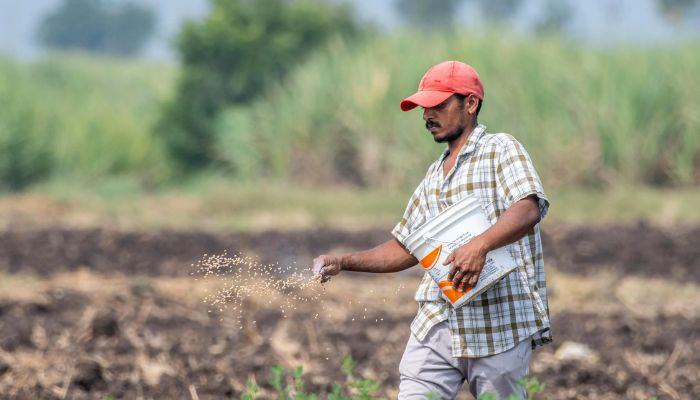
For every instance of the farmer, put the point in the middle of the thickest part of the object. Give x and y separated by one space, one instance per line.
488 341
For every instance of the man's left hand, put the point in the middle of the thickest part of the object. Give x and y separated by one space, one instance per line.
467 263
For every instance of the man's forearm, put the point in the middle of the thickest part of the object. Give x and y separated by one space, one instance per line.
390 256
513 224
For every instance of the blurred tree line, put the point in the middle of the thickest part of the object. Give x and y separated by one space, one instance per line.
676 9
554 15
442 14
98 26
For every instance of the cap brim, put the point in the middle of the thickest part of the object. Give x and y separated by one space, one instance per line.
425 98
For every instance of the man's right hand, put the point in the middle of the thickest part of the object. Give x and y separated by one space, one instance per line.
326 266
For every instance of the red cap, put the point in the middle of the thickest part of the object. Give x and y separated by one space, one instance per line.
442 81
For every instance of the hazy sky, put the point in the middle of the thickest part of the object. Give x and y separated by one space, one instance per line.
596 21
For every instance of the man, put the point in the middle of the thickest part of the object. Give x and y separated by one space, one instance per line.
488 341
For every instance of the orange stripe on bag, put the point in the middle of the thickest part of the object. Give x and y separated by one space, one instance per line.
450 292
430 260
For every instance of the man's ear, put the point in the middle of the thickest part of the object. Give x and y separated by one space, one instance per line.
471 105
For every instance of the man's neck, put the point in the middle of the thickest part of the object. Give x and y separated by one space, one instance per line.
456 145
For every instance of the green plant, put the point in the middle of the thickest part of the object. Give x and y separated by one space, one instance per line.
231 57
364 387
360 389
432 396
299 394
293 390
276 381
347 366
252 391
532 387
336 393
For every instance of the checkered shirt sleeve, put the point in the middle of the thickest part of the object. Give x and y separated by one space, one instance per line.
517 177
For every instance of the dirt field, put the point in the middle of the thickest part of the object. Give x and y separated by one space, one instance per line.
96 314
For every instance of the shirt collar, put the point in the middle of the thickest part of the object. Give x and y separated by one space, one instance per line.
470 146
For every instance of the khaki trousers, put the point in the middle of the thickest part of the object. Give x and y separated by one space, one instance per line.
428 369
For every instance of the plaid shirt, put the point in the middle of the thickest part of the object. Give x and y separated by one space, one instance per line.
497 170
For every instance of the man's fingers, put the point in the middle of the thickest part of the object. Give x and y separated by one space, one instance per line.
463 286
316 268
474 279
457 278
319 263
469 280
321 268
324 267
449 259
453 271
325 277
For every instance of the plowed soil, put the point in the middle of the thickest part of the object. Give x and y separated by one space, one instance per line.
86 314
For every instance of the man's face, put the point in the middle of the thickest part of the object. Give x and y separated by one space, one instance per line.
446 121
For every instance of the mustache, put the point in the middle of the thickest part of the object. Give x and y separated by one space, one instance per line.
430 124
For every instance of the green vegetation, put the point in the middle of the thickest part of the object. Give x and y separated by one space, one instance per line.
358 389
532 387
613 133
589 117
231 57
75 117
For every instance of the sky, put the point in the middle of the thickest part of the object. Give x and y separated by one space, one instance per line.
600 22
